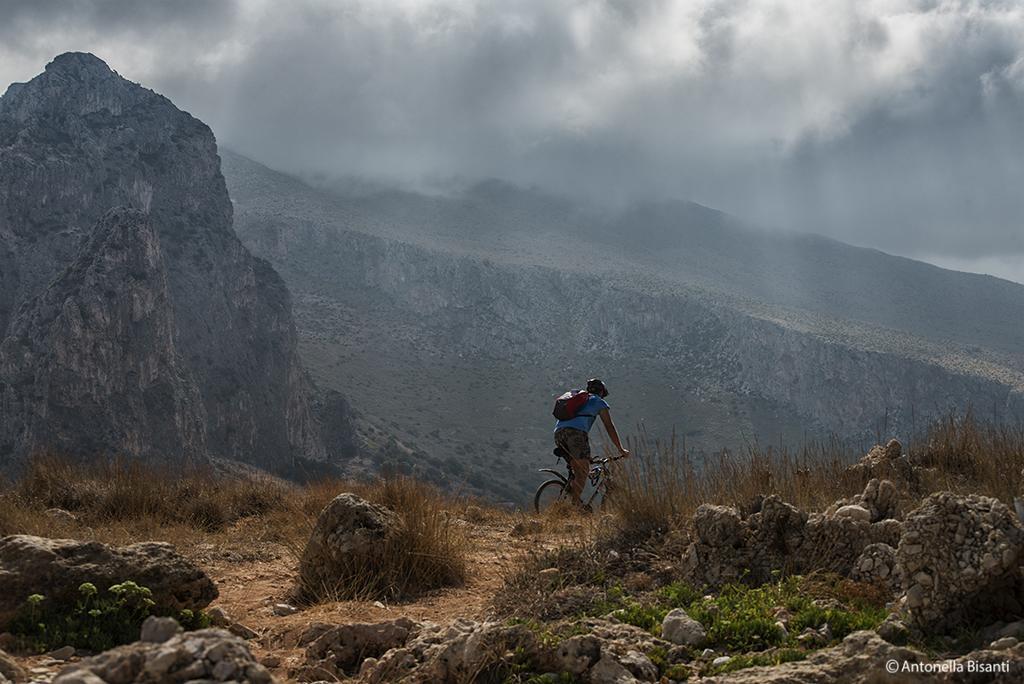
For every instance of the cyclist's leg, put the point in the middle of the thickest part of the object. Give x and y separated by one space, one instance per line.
577 444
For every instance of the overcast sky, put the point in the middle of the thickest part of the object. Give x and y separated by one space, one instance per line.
896 124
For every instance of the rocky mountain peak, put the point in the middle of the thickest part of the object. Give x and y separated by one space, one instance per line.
74 83
83 66
211 369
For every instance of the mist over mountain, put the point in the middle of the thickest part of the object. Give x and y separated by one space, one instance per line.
477 307
133 323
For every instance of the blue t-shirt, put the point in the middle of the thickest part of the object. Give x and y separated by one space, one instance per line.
584 420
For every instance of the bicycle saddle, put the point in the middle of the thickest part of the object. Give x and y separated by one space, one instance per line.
559 452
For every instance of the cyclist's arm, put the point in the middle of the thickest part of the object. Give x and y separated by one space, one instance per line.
609 427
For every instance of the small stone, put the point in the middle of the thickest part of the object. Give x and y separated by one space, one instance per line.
915 596
10 669
218 617
78 677
607 670
284 609
639 665
912 549
62 653
159 664
923 578
1003 644
549 572
681 629
367 665
781 627
217 652
241 631
61 515
379 604
720 660
854 513
223 670
707 653
159 629
272 660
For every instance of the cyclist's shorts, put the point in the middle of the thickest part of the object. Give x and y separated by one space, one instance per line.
575 442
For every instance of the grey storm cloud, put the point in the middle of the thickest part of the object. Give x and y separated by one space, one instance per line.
888 123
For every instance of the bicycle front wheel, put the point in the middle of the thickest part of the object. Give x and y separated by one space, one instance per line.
548 494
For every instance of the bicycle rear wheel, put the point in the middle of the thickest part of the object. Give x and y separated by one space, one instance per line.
548 494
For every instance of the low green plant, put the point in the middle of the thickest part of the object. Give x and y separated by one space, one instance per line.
94 621
745 660
743 618
551 678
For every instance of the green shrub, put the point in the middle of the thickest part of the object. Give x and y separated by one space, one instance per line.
94 621
776 657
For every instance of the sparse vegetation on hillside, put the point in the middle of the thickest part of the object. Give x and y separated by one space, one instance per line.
663 484
122 502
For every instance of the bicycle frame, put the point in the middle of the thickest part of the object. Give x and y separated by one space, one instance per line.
598 477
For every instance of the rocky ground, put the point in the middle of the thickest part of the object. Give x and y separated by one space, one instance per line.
876 587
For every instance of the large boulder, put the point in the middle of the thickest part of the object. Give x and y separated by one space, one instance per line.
350 535
959 562
56 567
204 655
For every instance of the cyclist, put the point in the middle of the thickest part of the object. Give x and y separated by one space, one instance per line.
573 438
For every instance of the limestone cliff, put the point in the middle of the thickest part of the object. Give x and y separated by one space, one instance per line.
152 331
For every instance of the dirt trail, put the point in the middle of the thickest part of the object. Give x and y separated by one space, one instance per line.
250 588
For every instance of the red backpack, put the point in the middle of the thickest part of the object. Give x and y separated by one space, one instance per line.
569 404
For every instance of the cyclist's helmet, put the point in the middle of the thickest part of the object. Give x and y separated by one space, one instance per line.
595 386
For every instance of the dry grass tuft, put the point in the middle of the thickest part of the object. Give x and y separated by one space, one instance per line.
427 551
966 455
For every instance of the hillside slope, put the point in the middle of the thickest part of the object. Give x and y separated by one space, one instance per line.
475 308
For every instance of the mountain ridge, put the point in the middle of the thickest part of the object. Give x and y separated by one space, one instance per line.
398 297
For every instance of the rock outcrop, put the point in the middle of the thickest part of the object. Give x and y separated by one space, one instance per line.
211 655
727 547
467 650
350 534
888 462
335 651
863 657
959 562
56 567
149 332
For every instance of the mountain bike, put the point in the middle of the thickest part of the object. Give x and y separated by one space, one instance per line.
552 492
